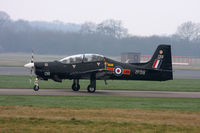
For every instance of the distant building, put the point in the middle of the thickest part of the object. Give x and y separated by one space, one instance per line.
130 57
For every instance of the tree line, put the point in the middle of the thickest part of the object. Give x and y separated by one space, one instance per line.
108 37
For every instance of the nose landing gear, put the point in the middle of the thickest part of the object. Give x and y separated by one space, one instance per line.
36 85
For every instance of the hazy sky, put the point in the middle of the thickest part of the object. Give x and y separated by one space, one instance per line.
141 17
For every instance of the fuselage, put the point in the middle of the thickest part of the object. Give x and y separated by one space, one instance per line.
104 69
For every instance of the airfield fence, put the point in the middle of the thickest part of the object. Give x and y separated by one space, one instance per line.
177 60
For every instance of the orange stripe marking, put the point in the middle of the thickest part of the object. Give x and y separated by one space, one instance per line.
126 71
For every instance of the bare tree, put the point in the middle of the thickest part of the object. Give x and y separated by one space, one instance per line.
4 17
112 28
88 28
189 31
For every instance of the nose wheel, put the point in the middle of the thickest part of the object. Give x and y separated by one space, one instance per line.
75 85
36 85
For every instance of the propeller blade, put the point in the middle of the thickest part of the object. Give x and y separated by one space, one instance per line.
30 81
32 61
32 57
31 67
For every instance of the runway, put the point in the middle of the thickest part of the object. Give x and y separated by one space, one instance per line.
127 93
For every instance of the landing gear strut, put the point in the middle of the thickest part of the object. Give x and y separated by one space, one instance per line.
36 85
92 87
75 85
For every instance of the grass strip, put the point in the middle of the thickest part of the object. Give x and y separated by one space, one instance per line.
9 81
114 120
188 104
77 126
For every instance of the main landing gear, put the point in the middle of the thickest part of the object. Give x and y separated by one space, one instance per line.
75 85
36 85
91 87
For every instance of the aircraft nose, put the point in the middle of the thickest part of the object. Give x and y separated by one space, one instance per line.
29 65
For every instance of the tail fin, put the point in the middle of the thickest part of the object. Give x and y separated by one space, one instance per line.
161 59
160 65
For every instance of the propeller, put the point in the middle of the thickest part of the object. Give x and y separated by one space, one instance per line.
30 66
32 61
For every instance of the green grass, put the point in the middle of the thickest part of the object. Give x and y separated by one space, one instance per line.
189 104
172 85
33 125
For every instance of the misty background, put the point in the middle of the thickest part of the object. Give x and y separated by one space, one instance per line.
108 37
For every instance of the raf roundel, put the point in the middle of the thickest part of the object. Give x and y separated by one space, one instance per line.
118 71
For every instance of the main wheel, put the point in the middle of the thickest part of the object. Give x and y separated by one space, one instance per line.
91 89
36 88
75 87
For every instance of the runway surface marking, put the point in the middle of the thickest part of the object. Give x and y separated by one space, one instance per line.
128 93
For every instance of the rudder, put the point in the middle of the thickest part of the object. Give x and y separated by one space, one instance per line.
162 58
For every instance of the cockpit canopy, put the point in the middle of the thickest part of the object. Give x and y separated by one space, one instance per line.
82 58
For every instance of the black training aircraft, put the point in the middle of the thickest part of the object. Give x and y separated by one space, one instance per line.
97 67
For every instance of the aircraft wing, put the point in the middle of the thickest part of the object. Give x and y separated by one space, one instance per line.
91 71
